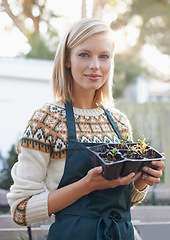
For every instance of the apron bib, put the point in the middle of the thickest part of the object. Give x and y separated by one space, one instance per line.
100 215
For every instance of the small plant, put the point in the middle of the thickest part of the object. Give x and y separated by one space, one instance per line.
132 148
141 146
132 154
124 141
113 155
112 152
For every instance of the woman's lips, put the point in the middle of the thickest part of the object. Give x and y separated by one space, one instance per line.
93 77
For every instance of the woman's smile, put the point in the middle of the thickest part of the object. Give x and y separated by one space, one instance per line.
93 77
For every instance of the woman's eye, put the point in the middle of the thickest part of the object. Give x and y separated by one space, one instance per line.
83 55
104 56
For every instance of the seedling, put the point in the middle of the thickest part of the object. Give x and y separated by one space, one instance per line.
141 146
113 155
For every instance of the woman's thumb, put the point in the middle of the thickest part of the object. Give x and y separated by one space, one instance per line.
99 169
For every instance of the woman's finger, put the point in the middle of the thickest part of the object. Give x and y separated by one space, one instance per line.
163 154
155 173
160 164
129 178
150 180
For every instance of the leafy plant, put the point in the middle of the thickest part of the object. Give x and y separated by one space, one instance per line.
141 146
112 152
113 155
124 141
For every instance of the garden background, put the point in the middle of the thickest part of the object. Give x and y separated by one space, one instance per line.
29 34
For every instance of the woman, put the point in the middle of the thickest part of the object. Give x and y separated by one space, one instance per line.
54 174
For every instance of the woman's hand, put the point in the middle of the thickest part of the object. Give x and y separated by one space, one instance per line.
146 179
96 181
156 174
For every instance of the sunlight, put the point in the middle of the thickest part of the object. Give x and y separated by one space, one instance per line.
132 35
12 41
120 42
156 59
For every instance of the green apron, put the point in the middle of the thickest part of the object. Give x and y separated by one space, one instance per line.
100 215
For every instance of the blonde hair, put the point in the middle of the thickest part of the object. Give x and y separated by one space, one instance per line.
62 77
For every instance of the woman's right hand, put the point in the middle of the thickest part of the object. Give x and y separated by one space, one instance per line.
95 180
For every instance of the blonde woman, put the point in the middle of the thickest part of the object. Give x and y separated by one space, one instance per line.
54 174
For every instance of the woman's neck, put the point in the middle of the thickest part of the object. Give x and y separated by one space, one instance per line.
84 101
83 105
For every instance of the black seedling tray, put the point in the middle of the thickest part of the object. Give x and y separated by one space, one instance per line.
124 166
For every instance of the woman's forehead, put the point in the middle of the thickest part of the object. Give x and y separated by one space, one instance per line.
102 41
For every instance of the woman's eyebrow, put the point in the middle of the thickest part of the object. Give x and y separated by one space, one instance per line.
84 50
102 52
107 51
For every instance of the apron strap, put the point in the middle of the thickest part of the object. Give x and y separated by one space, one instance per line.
71 122
113 123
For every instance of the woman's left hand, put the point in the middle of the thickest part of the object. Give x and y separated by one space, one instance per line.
145 179
156 174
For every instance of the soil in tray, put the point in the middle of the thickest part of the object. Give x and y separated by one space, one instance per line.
151 154
118 145
111 156
131 154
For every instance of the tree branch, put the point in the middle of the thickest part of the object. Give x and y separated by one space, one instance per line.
14 18
83 9
28 6
98 6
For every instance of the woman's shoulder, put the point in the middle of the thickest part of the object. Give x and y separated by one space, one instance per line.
46 118
52 107
55 110
40 132
119 115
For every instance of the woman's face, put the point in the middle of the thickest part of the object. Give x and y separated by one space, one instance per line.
90 62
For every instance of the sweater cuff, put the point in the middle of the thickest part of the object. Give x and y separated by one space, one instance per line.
37 208
136 195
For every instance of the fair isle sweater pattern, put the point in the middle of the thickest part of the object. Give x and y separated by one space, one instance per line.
20 213
47 130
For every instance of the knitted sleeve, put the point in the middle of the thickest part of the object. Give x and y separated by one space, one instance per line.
136 195
28 196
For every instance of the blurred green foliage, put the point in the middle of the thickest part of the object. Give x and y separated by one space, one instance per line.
39 49
125 73
7 164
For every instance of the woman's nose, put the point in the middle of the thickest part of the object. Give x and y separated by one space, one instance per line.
94 64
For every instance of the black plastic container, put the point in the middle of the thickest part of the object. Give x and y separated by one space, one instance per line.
111 170
151 155
127 164
131 164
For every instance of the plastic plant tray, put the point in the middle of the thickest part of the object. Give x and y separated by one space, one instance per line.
123 167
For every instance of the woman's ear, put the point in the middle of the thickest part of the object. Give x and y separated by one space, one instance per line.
68 62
